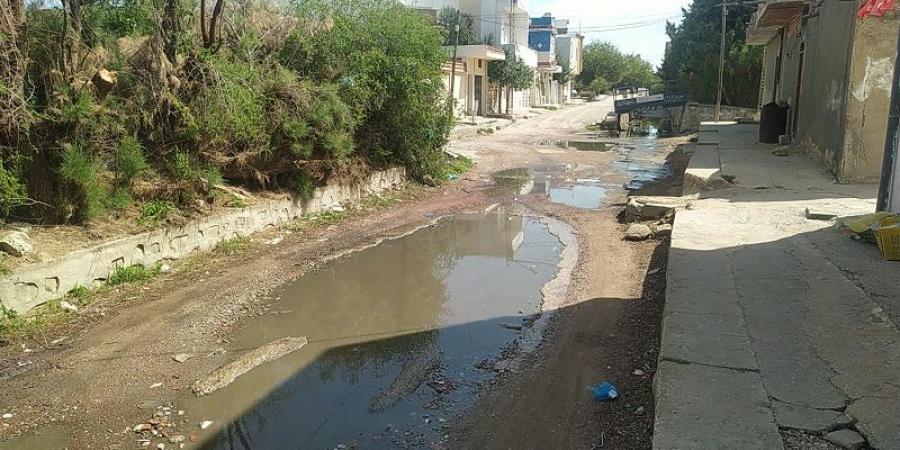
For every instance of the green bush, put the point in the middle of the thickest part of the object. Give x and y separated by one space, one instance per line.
131 274
230 111
130 158
305 186
13 192
82 171
232 246
155 211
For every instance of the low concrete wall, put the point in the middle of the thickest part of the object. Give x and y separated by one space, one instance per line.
90 267
695 113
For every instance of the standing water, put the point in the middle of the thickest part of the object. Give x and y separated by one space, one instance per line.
400 338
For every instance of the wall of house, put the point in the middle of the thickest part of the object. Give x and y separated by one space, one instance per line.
770 73
820 127
868 100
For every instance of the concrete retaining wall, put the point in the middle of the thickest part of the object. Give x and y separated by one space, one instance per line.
695 113
49 280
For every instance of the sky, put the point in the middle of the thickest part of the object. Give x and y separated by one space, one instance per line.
645 21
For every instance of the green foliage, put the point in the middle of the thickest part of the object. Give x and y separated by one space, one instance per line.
447 20
79 109
692 58
106 20
80 170
604 60
459 165
512 72
180 166
305 186
599 85
13 325
120 199
232 246
386 61
79 293
230 111
13 192
131 274
155 211
130 158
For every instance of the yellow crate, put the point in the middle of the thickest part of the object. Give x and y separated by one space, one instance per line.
888 237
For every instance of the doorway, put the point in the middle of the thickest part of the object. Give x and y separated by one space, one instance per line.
478 94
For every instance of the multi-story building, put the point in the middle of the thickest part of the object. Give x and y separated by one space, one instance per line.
500 25
834 71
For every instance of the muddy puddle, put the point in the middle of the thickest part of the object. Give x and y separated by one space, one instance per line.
401 337
638 163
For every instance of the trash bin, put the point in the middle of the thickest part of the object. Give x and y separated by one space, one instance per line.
772 122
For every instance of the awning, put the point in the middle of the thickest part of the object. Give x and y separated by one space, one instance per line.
770 17
481 51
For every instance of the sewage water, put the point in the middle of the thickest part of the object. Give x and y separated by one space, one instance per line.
402 336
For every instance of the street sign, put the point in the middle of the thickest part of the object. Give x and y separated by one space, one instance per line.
650 102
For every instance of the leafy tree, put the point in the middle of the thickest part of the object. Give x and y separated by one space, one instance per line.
510 74
693 56
604 61
447 20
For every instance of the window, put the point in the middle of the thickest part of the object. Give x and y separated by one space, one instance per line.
479 63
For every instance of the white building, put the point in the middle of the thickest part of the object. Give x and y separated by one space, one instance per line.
500 24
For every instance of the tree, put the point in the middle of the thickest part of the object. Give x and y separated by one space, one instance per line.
604 61
447 20
13 62
693 56
510 74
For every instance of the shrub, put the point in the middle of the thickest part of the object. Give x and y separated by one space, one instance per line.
80 169
155 211
305 186
180 166
230 112
120 199
130 158
13 192
131 274
232 246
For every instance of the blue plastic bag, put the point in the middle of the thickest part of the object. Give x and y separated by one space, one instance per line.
604 391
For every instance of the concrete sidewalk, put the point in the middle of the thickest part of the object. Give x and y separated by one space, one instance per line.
779 331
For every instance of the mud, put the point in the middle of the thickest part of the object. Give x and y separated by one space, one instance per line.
225 375
396 334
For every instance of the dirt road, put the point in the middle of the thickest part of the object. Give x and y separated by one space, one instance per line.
87 384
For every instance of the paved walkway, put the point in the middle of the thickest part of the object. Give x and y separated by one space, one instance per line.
779 331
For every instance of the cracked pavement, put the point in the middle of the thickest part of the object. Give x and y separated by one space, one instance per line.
779 331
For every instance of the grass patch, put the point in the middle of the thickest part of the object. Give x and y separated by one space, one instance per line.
236 202
377 201
232 246
13 325
80 294
330 218
459 165
131 274
4 269
155 211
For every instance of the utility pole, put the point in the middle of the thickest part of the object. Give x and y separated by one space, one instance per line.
721 62
453 70
888 190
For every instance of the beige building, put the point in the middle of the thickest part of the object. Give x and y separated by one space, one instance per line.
834 70
470 86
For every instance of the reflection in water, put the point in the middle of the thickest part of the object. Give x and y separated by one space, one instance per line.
395 334
580 194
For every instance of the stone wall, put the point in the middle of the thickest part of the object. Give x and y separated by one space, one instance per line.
31 286
695 113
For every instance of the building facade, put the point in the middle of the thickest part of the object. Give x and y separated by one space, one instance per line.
834 71
500 25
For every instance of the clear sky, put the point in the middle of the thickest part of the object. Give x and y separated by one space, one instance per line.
641 22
